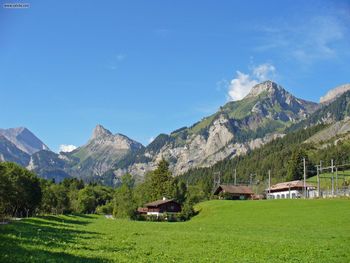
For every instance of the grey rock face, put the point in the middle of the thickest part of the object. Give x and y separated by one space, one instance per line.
284 102
10 153
334 93
339 129
24 140
101 152
49 165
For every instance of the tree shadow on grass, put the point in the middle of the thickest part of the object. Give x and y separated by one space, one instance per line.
65 220
82 215
41 239
17 253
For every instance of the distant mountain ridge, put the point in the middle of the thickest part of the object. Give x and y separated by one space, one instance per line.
24 140
333 94
238 127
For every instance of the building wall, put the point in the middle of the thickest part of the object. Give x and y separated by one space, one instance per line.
170 207
285 194
292 194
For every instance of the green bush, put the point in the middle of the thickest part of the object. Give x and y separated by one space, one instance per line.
106 209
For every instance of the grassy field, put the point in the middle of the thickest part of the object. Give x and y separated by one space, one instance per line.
224 231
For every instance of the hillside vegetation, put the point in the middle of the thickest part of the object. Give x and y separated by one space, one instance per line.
224 231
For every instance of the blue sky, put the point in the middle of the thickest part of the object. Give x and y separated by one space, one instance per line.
147 67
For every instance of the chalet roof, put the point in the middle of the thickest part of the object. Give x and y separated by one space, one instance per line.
291 184
234 189
159 202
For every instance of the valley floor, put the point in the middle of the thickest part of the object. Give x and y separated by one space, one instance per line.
224 231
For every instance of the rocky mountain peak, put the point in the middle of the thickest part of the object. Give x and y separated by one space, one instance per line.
24 139
99 132
334 93
267 86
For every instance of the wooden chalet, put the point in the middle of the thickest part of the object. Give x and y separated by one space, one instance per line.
160 207
234 192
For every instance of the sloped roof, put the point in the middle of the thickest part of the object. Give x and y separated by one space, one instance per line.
287 185
234 189
159 202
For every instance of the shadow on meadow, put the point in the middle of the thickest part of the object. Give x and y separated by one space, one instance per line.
66 220
34 239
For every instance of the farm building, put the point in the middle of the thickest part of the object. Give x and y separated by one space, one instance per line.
234 192
160 207
290 190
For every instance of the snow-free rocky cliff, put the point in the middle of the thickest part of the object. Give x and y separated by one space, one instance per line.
24 140
101 152
238 127
334 93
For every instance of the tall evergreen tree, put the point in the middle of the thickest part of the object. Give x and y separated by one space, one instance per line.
124 204
295 168
161 181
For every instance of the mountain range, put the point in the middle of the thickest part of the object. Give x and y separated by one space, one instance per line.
266 113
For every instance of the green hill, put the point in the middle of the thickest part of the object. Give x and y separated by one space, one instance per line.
224 231
326 180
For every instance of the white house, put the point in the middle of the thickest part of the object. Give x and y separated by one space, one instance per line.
291 190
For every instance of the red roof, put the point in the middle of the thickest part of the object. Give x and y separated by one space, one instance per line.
291 184
234 189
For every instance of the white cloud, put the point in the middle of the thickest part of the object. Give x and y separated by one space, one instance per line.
241 85
67 148
264 71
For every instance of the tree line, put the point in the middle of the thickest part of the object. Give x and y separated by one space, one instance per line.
23 194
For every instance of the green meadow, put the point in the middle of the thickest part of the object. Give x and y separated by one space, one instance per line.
326 179
223 231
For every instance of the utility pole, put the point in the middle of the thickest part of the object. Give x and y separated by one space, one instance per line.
305 193
235 176
336 181
318 182
269 184
332 186
321 166
332 165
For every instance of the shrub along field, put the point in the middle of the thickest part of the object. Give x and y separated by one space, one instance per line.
224 231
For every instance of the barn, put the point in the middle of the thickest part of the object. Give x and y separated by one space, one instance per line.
234 192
